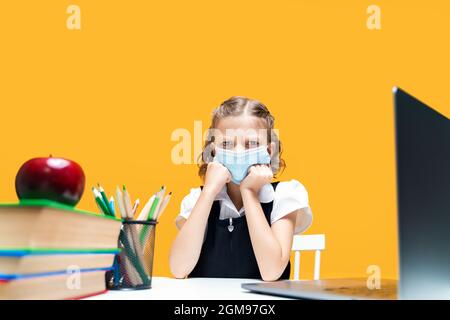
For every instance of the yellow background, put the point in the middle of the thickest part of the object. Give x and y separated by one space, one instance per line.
110 95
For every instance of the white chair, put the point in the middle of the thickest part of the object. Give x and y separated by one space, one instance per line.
313 242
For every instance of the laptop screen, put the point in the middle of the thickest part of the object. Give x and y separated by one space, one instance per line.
423 195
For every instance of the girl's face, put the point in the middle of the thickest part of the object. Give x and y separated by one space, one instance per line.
239 133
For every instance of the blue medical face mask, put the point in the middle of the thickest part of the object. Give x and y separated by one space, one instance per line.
238 162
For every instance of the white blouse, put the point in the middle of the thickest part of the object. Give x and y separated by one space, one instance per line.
287 197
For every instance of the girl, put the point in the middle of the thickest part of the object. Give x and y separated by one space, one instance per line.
239 224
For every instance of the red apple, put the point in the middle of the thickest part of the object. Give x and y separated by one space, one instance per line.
51 178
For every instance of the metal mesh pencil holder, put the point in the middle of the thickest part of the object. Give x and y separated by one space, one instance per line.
132 269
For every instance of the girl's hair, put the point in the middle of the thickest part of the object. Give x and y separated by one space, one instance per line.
236 106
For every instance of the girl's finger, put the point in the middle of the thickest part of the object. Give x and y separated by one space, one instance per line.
252 169
262 168
268 171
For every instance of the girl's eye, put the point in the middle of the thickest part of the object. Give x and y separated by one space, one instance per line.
227 144
252 144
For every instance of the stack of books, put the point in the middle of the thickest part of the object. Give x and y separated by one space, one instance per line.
52 251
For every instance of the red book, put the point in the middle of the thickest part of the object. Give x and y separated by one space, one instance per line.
89 295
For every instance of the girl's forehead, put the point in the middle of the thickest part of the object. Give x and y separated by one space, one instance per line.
243 123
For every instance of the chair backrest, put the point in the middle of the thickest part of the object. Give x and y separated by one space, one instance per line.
313 242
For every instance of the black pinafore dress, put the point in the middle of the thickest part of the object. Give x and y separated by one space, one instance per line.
226 254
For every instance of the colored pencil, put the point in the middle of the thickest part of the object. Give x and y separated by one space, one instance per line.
119 198
135 206
153 208
160 196
146 209
134 258
127 203
105 199
98 205
112 205
99 200
163 206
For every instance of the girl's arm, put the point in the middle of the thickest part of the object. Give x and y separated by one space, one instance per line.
271 244
187 246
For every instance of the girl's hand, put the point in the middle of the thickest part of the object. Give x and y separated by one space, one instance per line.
216 177
258 175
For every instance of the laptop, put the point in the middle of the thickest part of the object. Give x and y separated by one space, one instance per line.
423 202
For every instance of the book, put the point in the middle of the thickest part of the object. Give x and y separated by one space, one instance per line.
63 285
39 261
51 225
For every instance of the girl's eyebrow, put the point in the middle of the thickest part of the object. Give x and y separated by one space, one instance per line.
245 137
252 138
